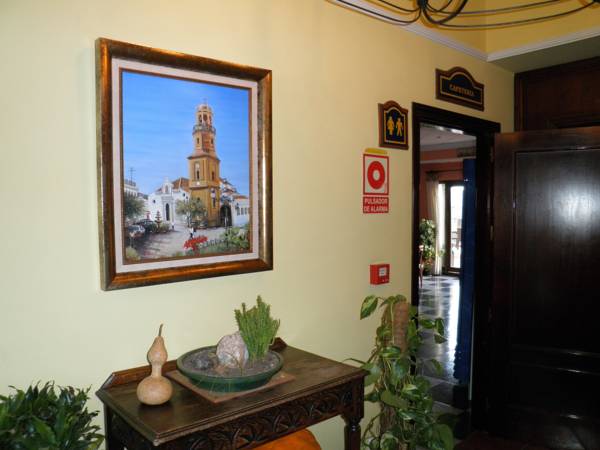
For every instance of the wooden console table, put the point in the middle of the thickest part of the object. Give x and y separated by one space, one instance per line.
321 389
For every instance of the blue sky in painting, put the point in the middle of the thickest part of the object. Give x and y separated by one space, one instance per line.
158 116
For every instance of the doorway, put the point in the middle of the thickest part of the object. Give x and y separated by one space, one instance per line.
225 216
463 301
453 225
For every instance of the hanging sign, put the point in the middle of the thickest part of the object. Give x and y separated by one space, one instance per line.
375 182
458 86
393 125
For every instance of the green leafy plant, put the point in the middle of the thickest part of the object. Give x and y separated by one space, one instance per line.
427 233
257 327
406 418
50 417
236 237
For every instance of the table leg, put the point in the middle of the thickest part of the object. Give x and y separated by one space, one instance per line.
352 433
110 441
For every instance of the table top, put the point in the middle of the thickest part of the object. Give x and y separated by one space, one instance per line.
188 413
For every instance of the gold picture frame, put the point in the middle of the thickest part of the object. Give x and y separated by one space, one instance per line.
201 205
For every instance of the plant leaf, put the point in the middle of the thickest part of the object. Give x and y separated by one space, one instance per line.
439 326
399 370
370 379
409 388
374 444
427 323
390 399
384 332
391 352
96 444
388 441
393 300
368 306
439 339
446 436
374 373
436 365
407 415
44 431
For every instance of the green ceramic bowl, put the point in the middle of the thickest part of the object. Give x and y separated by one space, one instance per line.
225 384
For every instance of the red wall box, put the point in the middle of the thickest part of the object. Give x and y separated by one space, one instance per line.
380 273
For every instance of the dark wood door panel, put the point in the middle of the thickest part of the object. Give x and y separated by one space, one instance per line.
553 390
568 359
546 301
566 95
556 249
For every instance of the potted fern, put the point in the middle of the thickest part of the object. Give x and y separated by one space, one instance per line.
240 361
48 417
406 419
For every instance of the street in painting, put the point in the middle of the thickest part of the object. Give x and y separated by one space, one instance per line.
186 168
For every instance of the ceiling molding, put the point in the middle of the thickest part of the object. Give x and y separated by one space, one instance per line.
543 45
367 8
444 40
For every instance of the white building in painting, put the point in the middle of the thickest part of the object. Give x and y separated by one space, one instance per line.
163 201
130 187
235 209
240 210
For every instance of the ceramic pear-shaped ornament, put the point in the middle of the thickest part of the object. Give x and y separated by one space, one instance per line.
155 389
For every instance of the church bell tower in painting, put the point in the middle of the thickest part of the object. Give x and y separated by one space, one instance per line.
204 165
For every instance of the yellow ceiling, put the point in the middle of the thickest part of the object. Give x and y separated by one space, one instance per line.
497 39
548 42
493 40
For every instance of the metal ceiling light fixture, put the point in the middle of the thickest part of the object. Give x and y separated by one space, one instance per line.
441 12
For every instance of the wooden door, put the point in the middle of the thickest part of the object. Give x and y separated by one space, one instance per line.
545 310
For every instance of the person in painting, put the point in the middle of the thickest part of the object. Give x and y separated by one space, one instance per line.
191 231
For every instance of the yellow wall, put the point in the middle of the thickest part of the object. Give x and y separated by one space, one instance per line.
330 69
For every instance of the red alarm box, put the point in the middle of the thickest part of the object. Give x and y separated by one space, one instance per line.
380 273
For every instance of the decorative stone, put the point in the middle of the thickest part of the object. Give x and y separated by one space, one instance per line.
232 351
206 362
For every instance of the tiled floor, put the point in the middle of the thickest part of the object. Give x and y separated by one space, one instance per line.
439 297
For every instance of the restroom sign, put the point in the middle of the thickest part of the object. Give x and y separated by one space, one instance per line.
375 183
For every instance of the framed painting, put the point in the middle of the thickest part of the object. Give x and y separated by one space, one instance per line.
184 166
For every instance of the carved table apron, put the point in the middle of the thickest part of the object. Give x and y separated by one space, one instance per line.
321 389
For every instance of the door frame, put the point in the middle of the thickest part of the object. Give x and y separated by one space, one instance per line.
484 131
